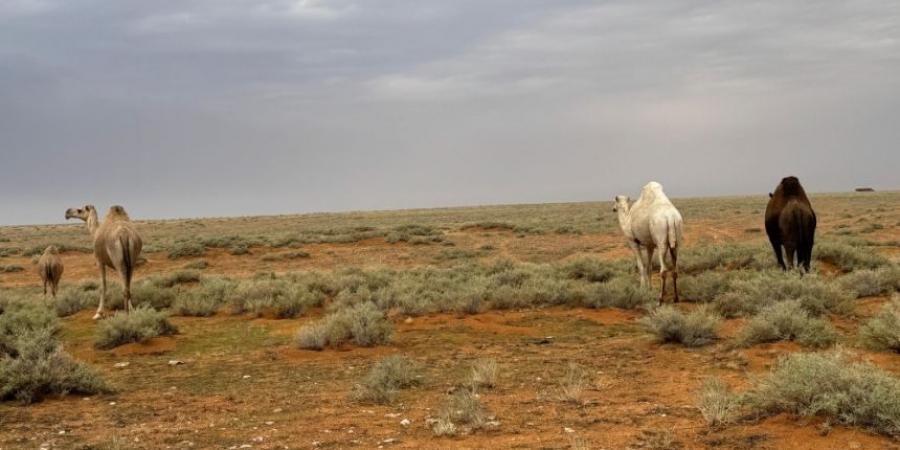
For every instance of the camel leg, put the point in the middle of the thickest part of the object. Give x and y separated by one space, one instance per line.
99 313
789 251
127 283
674 252
776 246
649 266
639 260
663 273
45 290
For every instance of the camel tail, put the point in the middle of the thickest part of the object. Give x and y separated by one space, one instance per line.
673 228
127 259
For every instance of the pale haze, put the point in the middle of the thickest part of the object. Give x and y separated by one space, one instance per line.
223 108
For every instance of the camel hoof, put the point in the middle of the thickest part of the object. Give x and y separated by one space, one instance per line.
97 316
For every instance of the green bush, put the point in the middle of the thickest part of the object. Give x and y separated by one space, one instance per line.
832 387
866 283
699 259
70 300
385 379
705 286
363 324
694 329
38 367
186 249
147 293
849 257
815 294
717 403
175 278
787 321
32 362
621 292
286 256
285 299
138 326
882 332
588 269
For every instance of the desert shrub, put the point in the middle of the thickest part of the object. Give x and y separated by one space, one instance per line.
286 256
363 324
175 278
865 283
196 303
882 332
23 317
849 257
138 326
70 300
12 268
63 248
815 294
588 269
185 249
462 408
620 292
832 387
147 293
698 259
717 403
705 286
484 373
385 379
572 383
238 250
199 264
787 321
282 297
694 329
38 367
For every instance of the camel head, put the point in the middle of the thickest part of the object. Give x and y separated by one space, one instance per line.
51 250
80 213
621 203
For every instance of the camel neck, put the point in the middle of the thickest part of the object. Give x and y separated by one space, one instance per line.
93 223
624 219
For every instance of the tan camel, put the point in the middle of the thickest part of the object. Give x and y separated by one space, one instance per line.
50 268
117 245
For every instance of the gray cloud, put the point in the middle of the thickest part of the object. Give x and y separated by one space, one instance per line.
199 108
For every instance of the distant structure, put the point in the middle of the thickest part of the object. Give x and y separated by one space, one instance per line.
865 189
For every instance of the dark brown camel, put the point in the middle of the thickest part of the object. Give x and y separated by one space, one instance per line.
791 222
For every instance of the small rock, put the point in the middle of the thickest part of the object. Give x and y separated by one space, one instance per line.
121 364
175 362
112 403
258 439
316 443
408 320
854 445
392 415
62 432
405 422
568 430
277 410
389 441
270 422
246 446
245 377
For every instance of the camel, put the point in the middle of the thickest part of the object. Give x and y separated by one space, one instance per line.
117 245
50 268
791 222
652 222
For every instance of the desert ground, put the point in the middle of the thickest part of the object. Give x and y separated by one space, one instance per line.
574 369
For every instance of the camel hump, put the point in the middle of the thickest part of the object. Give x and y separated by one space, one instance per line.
117 212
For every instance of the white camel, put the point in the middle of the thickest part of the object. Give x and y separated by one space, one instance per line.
652 222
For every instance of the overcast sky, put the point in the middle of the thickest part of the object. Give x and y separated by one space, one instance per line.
186 108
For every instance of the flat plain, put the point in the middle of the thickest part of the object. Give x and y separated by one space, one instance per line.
540 300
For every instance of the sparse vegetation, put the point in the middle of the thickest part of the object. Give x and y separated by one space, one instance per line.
12 268
830 386
694 329
572 384
299 254
138 326
385 379
460 410
363 324
787 321
717 403
186 249
882 332
484 373
33 364
848 257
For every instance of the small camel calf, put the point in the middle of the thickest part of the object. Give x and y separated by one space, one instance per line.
50 268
